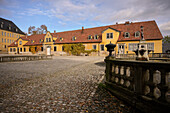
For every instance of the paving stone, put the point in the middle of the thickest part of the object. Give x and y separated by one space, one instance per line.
64 84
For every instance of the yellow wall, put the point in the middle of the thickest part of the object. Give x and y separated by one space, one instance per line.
157 45
107 41
10 37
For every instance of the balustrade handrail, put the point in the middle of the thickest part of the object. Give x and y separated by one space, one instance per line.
11 58
147 81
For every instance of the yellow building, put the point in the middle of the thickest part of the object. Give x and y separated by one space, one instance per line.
9 32
126 36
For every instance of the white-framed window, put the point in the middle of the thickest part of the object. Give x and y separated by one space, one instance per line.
14 49
133 46
137 34
150 46
10 49
49 39
20 42
96 37
89 37
102 47
46 39
109 35
94 47
127 35
73 38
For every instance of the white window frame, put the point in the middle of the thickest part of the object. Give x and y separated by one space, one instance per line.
128 34
89 37
101 47
133 46
94 47
95 37
109 34
150 46
136 34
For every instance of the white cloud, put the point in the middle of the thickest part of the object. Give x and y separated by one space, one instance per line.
165 28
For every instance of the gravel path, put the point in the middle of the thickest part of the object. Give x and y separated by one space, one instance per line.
64 84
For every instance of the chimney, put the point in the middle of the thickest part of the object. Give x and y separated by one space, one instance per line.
82 29
127 23
54 31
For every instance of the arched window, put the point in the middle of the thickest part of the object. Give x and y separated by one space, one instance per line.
127 35
137 34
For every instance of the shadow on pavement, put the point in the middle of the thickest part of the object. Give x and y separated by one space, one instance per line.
103 64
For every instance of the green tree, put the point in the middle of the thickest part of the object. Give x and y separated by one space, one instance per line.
166 39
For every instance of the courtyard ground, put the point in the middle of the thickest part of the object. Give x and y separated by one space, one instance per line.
63 84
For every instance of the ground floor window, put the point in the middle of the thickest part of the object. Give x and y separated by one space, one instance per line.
5 46
101 47
29 49
62 48
133 46
14 49
150 46
94 47
20 49
10 49
24 49
41 48
55 48
35 48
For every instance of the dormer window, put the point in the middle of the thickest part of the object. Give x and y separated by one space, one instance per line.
96 37
137 34
9 26
127 35
2 24
20 42
73 38
32 41
109 35
46 39
16 30
49 39
89 37
61 38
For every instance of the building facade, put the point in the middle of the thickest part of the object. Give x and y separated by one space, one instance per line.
9 32
126 36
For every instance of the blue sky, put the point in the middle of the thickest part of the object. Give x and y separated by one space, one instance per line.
64 15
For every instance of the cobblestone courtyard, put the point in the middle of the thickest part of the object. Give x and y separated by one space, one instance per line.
63 84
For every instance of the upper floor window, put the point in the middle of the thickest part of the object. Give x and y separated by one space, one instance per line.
96 36
2 39
137 34
127 35
5 40
89 37
5 33
73 38
46 39
8 34
49 39
20 42
2 33
109 35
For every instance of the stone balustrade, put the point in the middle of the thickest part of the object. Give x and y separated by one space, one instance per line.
23 58
143 84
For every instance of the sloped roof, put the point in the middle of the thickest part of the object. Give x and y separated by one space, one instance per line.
151 32
6 24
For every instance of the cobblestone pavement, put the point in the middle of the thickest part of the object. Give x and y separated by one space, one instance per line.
64 84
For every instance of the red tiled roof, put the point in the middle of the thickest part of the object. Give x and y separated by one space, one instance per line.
151 32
